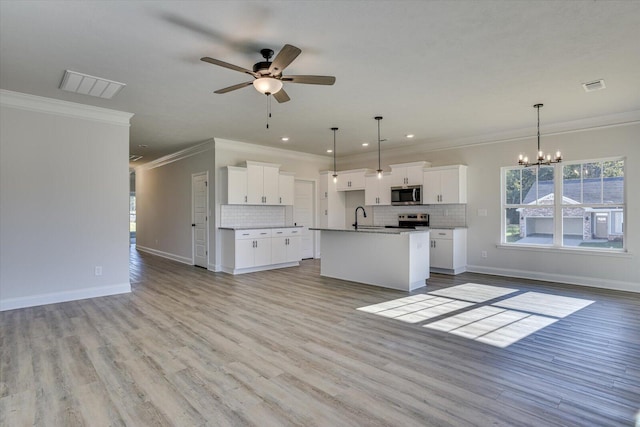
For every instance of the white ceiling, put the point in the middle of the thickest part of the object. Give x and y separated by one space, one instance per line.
443 70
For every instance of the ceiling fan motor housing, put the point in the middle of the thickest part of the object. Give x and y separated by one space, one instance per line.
262 68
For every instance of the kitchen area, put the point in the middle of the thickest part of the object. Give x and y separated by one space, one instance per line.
391 229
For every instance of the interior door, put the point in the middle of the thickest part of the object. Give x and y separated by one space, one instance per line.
303 215
200 203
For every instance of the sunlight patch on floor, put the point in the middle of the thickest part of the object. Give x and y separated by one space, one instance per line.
499 324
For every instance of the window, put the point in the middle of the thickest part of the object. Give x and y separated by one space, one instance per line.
590 213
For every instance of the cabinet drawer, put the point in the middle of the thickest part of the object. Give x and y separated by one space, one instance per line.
441 234
285 232
253 234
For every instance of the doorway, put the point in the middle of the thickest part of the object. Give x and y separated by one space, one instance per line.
303 209
199 224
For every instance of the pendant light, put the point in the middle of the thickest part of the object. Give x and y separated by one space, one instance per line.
378 118
542 158
335 171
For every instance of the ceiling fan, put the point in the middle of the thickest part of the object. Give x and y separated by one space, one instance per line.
268 78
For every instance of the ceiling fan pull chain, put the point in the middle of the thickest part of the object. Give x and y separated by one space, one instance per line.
268 109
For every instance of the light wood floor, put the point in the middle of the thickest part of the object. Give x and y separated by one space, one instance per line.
190 347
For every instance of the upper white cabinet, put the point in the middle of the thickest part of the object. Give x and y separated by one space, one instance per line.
258 184
351 180
445 184
236 185
286 188
262 183
332 202
377 191
407 173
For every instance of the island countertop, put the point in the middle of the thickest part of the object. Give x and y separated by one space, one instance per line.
259 227
373 229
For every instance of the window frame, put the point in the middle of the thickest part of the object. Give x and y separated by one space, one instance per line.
559 205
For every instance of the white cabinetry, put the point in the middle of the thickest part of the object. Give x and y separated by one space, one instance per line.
448 250
235 179
446 184
262 183
332 203
286 188
407 173
351 180
245 251
252 248
285 245
377 191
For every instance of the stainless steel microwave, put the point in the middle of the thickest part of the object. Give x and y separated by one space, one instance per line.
408 195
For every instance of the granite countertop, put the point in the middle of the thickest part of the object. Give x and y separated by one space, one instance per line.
372 229
259 228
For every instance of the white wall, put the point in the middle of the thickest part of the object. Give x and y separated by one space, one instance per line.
64 201
164 205
616 271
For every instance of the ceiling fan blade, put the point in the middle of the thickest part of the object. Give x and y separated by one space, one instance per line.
227 65
234 87
281 96
285 57
310 80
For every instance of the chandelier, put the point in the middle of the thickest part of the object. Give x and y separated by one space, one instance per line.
542 158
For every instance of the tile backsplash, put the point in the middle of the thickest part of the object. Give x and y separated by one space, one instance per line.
439 215
252 216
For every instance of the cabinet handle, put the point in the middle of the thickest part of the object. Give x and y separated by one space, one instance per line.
245 199
280 200
325 212
325 194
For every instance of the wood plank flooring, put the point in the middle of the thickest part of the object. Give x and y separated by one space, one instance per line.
189 347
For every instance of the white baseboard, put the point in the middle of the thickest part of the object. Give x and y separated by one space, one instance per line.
64 296
230 270
560 278
167 255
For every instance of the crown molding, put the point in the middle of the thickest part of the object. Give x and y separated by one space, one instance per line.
23 101
178 155
574 126
255 149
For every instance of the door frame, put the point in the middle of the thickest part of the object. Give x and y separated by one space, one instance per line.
207 218
314 212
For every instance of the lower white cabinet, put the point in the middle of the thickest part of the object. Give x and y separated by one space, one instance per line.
448 250
285 245
245 251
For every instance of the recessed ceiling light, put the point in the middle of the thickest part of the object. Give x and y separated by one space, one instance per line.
142 145
409 135
284 138
365 144
134 157
329 150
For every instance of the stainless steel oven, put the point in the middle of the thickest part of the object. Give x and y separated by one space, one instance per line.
408 195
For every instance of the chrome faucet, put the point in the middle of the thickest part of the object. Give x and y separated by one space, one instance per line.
363 213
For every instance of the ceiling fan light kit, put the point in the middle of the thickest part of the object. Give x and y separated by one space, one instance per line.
542 158
267 85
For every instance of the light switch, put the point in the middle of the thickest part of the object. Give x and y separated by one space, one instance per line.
482 212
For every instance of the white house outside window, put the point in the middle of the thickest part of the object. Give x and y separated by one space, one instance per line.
590 213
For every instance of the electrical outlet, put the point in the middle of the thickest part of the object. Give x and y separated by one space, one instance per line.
483 254
98 270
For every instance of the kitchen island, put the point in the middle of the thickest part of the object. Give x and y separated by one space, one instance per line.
388 257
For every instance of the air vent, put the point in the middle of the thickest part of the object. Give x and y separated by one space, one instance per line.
594 85
89 85
134 158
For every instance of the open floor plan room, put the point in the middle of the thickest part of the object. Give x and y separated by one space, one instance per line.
289 347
